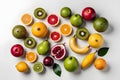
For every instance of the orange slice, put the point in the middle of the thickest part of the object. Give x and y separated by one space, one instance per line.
27 19
65 29
31 56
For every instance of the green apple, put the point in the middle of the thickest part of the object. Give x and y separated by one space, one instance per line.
43 47
100 24
76 20
65 12
71 64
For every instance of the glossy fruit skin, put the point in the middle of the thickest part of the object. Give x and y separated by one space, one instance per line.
101 24
88 13
19 32
65 12
71 64
43 47
48 61
100 63
17 50
96 40
76 20
22 66
39 29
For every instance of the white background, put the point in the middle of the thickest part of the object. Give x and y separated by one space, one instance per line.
10 11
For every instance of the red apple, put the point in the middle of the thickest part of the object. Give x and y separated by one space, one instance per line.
88 13
17 50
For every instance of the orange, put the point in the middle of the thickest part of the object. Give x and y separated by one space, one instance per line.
100 63
66 29
27 19
22 66
39 29
31 56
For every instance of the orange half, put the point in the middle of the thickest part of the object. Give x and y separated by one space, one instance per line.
31 56
65 29
27 19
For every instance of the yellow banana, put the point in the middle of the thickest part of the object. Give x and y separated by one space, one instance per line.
88 60
75 47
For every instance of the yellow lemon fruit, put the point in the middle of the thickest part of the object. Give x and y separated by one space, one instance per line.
22 66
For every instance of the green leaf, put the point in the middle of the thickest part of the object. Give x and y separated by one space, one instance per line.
103 51
57 69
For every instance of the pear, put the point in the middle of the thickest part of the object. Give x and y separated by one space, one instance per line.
43 47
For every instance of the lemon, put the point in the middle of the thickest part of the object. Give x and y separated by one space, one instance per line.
22 66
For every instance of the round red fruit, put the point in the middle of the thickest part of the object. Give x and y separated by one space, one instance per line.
48 61
88 13
53 20
17 50
55 36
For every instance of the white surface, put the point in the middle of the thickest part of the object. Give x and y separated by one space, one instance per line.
10 11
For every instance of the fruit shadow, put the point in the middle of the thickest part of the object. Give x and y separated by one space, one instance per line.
28 72
43 72
107 69
110 29
78 71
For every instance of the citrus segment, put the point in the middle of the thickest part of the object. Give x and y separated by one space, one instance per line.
26 19
66 29
31 56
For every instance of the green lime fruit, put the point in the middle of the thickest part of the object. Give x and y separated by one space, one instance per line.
38 67
100 24
76 20
65 12
40 13
43 47
71 64
19 32
82 33
30 42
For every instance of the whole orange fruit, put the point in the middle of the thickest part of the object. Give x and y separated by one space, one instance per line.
100 64
39 29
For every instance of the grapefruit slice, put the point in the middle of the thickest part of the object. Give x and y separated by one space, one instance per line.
65 29
55 36
53 20
27 19
31 56
58 51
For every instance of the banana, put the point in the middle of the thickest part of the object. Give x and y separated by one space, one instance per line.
88 60
75 47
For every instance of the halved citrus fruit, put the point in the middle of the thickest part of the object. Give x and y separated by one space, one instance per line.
53 20
65 29
31 56
55 36
27 19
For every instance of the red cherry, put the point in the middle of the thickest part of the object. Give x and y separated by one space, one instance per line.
17 50
88 13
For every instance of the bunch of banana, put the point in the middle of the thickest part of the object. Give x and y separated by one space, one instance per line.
75 47
88 60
